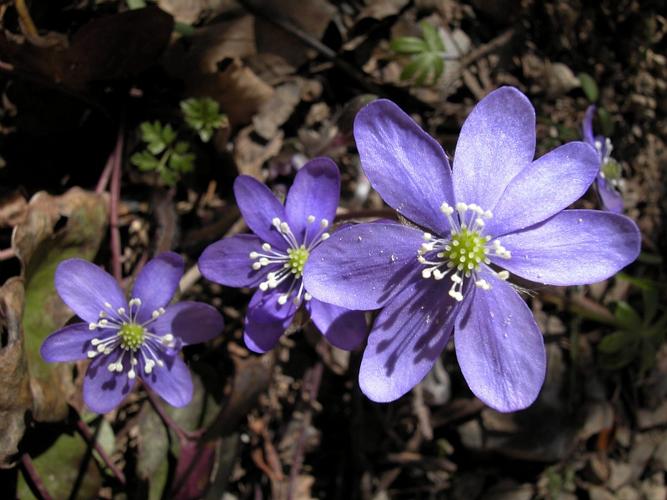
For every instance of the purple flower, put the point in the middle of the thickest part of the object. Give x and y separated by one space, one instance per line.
608 181
128 339
497 209
274 257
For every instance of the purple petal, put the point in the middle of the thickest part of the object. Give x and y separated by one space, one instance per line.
404 164
85 288
587 125
104 390
408 336
157 282
314 192
497 141
575 247
192 322
259 206
546 187
500 348
361 267
267 320
70 343
228 261
172 382
343 328
610 199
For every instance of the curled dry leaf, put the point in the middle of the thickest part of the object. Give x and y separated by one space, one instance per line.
55 228
15 396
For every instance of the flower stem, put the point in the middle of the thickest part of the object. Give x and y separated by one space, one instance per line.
182 434
113 206
87 434
32 477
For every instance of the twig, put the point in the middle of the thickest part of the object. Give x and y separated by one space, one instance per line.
7 253
581 306
87 434
26 20
181 433
32 477
113 203
487 48
310 390
103 182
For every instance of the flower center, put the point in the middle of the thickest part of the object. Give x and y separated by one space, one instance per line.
461 254
297 259
131 336
288 264
466 249
137 342
611 170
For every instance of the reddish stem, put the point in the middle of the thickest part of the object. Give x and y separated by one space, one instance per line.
113 206
32 477
182 434
87 434
106 173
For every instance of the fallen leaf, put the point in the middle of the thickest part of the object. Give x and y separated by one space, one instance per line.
55 228
15 396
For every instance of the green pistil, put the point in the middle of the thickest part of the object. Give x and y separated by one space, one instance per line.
466 250
297 259
611 170
132 336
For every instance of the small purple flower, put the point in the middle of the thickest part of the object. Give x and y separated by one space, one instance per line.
609 181
124 339
274 257
498 208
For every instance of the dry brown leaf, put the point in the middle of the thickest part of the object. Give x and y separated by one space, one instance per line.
12 209
249 154
15 396
277 110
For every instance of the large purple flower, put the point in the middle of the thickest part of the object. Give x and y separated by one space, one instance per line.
609 180
124 339
274 257
497 209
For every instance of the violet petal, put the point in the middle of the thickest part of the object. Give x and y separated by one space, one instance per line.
496 142
575 247
500 348
228 261
192 322
314 192
172 382
70 343
86 288
267 320
343 328
259 207
610 199
157 282
531 198
404 164
587 125
407 337
363 266
104 390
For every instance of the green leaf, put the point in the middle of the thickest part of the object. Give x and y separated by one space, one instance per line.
432 37
202 115
438 69
408 45
627 317
144 160
606 123
650 298
409 70
589 87
618 341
